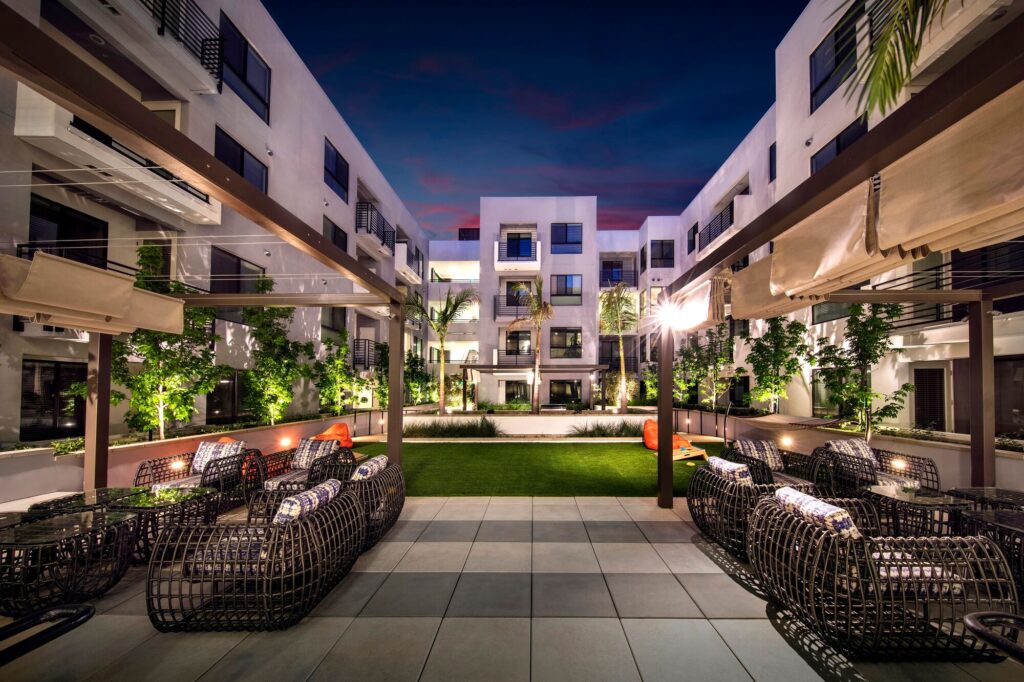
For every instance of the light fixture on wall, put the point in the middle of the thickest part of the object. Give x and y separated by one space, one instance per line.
270 152
326 203
266 252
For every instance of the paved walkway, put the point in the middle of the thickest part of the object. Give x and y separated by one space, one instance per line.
501 589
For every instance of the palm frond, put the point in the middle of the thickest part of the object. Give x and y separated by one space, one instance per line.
617 314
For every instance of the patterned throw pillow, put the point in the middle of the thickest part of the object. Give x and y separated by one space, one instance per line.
731 471
207 451
854 447
309 450
304 503
818 512
763 450
370 468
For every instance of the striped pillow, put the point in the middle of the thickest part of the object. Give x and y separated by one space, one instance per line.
818 512
763 450
208 450
854 447
305 503
731 471
309 450
370 468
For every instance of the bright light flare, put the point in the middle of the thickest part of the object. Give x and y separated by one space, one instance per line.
899 464
177 465
786 442
285 442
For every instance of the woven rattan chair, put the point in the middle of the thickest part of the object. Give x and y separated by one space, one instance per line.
879 598
797 469
382 497
235 476
720 507
852 473
259 575
280 473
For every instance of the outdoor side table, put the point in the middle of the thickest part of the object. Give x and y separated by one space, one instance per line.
917 513
1006 528
991 498
156 509
63 559
89 500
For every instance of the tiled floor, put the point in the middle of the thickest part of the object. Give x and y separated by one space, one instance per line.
501 589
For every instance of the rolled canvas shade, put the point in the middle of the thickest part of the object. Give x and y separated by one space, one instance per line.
751 295
66 293
962 189
704 306
830 250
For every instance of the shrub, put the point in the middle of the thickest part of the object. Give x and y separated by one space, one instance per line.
68 446
454 428
623 429
511 406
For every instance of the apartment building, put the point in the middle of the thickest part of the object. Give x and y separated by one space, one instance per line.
221 72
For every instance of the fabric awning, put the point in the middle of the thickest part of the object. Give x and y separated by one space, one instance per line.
964 188
702 307
751 295
66 293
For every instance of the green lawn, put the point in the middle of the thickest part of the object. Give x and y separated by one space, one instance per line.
510 468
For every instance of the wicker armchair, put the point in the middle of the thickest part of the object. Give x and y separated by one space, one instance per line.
879 598
720 507
798 469
279 473
236 476
382 497
853 473
254 576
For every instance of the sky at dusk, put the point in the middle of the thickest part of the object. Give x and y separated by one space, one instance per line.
635 102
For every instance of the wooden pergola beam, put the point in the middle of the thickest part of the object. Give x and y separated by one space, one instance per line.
272 300
904 296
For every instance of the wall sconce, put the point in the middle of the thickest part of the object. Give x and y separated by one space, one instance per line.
266 252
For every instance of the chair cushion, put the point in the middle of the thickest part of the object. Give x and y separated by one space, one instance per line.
854 447
305 503
192 481
226 439
309 450
896 481
370 468
763 450
818 512
208 450
731 471
293 476
787 479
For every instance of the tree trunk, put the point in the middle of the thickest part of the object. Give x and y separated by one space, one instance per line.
442 399
160 416
536 376
623 398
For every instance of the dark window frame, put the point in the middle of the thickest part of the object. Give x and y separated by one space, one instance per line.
246 90
659 246
562 241
241 154
64 374
772 163
691 238
643 259
838 144
237 411
565 349
565 291
519 335
574 394
337 180
225 285
335 234
839 49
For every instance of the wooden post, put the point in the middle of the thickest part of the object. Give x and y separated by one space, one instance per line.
665 421
97 412
396 367
983 394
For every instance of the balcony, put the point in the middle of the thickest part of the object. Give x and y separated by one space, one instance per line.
610 278
612 362
507 306
715 227
364 353
159 194
408 263
505 358
517 256
373 232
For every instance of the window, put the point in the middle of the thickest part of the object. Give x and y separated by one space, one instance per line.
739 328
772 170
566 342
741 263
517 392
643 348
643 259
225 404
333 319
663 253
62 231
517 342
46 412
930 398
565 392
335 170
1009 398
838 144
518 246
691 238
335 234
656 296
611 272
230 274
835 59
566 289
739 391
514 294
566 238
828 311
245 72
239 159
643 304
655 338
822 404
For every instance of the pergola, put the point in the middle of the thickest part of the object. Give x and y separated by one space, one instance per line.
46 66
990 70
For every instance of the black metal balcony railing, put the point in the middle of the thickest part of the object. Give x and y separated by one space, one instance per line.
469 234
508 305
413 257
517 251
436 278
190 26
83 252
612 362
567 353
370 221
364 353
715 227
515 359
610 278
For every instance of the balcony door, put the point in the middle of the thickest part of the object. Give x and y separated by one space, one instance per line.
65 232
46 412
517 342
513 297
611 271
519 244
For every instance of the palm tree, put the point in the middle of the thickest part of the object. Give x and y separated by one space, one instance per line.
538 311
898 31
618 316
451 310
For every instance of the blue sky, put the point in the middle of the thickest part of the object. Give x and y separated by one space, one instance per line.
636 102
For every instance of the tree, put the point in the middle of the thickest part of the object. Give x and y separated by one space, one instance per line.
774 359
846 368
618 316
381 372
538 311
334 375
707 365
454 306
163 373
417 379
898 31
276 360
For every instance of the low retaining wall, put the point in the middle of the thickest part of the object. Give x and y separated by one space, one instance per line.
522 424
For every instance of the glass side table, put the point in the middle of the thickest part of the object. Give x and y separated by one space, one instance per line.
81 502
991 498
63 559
916 513
157 509
1006 528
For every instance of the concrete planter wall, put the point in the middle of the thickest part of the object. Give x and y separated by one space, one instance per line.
523 424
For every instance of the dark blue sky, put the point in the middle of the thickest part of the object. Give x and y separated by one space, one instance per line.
637 102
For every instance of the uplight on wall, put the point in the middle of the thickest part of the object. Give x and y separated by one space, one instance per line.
285 442
786 442
899 464
177 465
